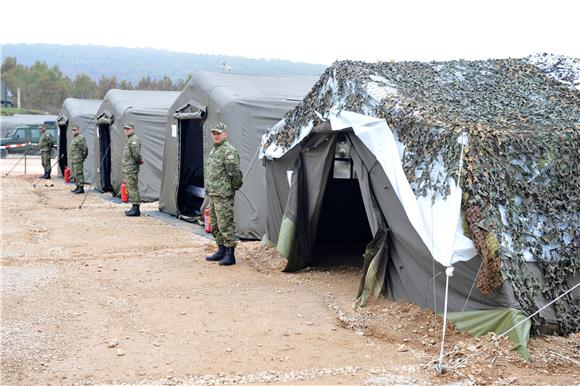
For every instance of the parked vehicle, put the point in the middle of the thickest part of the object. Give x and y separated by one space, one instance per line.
25 139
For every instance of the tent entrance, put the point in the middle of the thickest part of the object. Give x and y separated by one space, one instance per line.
190 188
343 228
105 157
62 147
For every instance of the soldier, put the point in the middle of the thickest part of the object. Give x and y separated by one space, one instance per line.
45 145
131 164
78 154
222 178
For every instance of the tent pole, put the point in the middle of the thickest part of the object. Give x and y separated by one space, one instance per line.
433 277
463 140
440 366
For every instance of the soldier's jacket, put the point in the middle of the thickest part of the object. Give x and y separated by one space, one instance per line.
132 155
45 143
222 174
78 149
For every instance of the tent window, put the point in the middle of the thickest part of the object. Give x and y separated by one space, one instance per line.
342 166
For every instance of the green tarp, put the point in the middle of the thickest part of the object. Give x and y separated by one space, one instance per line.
499 320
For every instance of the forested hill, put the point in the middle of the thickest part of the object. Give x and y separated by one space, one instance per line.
132 64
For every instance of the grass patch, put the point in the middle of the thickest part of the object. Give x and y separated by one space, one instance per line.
14 110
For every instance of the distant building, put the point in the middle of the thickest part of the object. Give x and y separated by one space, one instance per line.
7 96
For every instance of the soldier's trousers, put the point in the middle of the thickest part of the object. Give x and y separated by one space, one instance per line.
45 159
132 181
77 171
221 214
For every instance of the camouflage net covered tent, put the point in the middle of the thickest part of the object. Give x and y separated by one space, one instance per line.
507 131
81 113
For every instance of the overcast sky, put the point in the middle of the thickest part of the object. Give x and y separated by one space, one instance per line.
315 31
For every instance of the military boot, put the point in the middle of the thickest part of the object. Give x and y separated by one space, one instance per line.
220 254
75 190
47 176
79 190
134 211
229 258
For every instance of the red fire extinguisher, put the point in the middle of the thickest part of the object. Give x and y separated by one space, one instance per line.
124 194
206 221
66 175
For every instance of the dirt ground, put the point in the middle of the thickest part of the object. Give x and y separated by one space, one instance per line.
17 164
90 296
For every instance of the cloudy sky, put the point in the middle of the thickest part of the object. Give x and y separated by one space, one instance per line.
315 31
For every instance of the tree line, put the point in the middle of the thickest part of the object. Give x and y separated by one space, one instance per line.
133 64
45 88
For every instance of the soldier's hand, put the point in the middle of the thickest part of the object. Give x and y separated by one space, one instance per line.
141 162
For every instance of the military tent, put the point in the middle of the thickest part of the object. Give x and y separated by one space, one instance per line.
248 105
81 113
148 111
459 173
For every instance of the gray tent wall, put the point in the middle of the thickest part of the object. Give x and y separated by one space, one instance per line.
148 111
81 113
407 263
248 105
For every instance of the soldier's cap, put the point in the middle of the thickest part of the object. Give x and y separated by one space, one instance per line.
129 125
75 128
219 127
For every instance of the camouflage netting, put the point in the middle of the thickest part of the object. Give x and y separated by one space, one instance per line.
520 173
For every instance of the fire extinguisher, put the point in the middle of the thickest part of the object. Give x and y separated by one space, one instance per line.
66 175
206 221
124 194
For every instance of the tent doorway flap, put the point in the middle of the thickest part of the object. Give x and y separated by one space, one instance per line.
190 188
104 135
343 228
190 110
62 145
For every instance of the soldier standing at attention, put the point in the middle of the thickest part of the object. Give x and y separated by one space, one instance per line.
222 178
78 154
131 163
45 145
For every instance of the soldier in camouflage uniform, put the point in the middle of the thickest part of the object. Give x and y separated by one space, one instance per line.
130 167
45 145
77 156
222 178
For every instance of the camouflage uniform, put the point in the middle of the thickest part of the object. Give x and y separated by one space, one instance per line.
78 154
45 145
131 164
222 178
